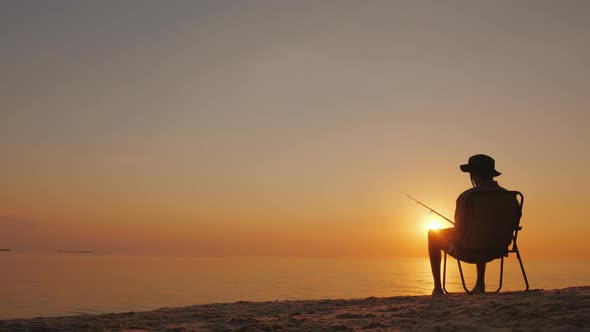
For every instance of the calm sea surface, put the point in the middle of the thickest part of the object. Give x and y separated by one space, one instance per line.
57 284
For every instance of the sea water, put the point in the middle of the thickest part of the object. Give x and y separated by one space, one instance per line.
61 284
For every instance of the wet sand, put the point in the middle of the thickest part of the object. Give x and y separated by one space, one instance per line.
538 310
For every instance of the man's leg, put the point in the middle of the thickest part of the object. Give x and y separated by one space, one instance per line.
480 286
436 243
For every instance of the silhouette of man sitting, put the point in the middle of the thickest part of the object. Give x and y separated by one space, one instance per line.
481 169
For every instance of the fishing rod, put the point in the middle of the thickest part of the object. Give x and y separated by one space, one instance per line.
428 207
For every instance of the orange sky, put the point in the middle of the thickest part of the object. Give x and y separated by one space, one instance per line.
222 129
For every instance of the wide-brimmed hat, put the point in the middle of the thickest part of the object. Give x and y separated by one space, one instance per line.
481 164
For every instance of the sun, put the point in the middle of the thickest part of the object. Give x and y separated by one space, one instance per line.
434 224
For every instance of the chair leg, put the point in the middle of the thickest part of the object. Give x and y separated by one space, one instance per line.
501 274
526 281
445 275
462 278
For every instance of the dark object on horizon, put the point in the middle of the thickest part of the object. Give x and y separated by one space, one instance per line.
5 250
76 251
495 222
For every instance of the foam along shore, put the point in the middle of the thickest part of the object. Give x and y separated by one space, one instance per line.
555 310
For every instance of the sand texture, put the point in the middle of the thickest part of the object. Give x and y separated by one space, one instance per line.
555 310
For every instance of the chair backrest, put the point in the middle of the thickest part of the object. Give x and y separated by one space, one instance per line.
492 218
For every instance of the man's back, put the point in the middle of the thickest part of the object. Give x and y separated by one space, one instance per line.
461 204
490 220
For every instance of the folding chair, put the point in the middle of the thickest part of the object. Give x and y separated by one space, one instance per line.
491 224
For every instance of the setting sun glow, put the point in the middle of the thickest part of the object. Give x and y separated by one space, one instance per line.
239 128
434 224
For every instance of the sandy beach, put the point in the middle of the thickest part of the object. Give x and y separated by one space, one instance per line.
538 310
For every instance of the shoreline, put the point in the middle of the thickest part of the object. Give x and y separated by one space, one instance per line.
565 309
